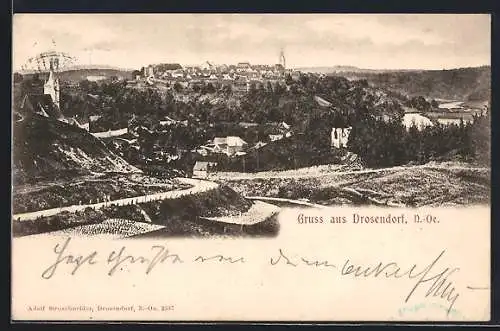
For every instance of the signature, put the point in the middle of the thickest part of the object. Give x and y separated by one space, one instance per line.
434 281
120 259
75 260
430 280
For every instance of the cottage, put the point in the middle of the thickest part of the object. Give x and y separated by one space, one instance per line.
340 136
177 74
203 169
275 137
228 145
243 67
235 144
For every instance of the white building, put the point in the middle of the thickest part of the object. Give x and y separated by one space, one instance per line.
340 136
207 66
228 145
178 73
416 119
275 137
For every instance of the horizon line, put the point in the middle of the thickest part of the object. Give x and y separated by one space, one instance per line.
112 67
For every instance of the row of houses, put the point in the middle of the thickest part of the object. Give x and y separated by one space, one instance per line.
239 77
208 68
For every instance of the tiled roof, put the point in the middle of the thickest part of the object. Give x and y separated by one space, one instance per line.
44 101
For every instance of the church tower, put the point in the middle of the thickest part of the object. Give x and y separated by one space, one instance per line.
51 87
282 59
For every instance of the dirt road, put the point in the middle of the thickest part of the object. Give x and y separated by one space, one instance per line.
198 187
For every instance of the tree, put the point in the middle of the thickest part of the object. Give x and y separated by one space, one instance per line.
84 85
17 77
227 89
252 89
178 87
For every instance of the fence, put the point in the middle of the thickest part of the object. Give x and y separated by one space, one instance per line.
110 133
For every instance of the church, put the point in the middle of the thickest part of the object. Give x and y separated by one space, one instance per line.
44 101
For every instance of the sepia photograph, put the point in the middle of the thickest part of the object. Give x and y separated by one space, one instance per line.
118 133
249 127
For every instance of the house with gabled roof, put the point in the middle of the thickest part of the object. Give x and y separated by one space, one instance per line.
41 104
229 145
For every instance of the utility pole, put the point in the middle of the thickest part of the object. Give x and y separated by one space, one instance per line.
258 161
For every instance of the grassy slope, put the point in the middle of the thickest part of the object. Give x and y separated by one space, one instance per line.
88 190
412 186
47 147
183 217
81 74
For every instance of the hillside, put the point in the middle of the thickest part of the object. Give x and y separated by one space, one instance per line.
352 69
432 184
47 147
75 76
463 84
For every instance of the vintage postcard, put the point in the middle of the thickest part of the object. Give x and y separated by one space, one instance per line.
248 167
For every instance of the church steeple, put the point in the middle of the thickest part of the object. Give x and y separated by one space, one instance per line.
282 58
51 87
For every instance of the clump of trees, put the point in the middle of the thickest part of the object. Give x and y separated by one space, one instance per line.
375 115
420 103
382 143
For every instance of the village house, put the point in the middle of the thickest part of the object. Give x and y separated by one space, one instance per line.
275 137
340 136
243 67
177 73
202 169
230 145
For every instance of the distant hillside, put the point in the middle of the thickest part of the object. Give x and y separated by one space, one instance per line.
473 84
77 74
81 74
351 69
47 147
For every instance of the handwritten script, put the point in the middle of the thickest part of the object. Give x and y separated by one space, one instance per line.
428 280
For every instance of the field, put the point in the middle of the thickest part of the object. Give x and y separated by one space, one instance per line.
413 186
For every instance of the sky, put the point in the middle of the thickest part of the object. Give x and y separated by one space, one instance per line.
377 41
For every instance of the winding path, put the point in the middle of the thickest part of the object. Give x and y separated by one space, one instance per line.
292 201
199 186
